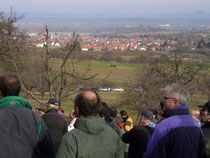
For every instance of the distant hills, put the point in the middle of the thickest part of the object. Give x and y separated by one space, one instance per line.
74 22
76 15
185 18
194 14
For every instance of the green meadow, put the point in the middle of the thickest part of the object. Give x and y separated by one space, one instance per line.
118 77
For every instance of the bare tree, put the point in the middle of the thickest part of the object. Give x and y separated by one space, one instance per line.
149 80
39 74
59 79
203 84
12 47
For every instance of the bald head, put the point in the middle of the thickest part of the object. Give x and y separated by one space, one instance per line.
91 96
87 102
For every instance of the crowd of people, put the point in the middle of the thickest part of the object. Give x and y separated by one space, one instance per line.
96 131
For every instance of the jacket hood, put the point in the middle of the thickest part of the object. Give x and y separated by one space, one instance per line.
14 101
91 124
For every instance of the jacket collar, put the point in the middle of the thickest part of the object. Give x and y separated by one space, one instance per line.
14 101
52 110
179 110
206 125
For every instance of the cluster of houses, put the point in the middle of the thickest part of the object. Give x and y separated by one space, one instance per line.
111 44
54 40
93 43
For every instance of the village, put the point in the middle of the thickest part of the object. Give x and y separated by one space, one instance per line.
93 43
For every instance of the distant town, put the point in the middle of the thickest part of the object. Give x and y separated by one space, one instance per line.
93 43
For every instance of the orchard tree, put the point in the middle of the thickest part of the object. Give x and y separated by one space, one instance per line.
38 69
149 80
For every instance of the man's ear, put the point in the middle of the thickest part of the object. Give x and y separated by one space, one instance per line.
76 111
142 118
177 102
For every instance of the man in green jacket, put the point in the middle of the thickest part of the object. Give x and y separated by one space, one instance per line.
91 138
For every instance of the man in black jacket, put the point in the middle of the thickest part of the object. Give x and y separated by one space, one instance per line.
21 129
55 122
138 137
205 116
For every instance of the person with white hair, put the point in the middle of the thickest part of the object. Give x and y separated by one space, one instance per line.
178 135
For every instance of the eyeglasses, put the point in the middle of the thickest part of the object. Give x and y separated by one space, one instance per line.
166 98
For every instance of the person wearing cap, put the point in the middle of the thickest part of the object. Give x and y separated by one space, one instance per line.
55 122
138 136
178 135
205 117
53 106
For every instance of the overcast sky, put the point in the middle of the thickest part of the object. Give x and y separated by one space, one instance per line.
106 7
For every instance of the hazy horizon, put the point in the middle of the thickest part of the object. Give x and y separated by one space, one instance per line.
108 8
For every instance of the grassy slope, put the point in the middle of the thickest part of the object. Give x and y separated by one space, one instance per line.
119 75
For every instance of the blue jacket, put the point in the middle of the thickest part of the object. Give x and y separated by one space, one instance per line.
177 136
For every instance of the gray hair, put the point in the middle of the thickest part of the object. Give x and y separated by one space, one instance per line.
178 92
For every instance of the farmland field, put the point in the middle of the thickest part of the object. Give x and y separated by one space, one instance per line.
117 76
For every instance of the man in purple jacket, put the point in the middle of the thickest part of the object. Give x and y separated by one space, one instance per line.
178 135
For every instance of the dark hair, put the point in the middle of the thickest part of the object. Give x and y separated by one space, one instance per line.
154 112
123 112
205 109
86 106
113 112
10 84
104 112
104 109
